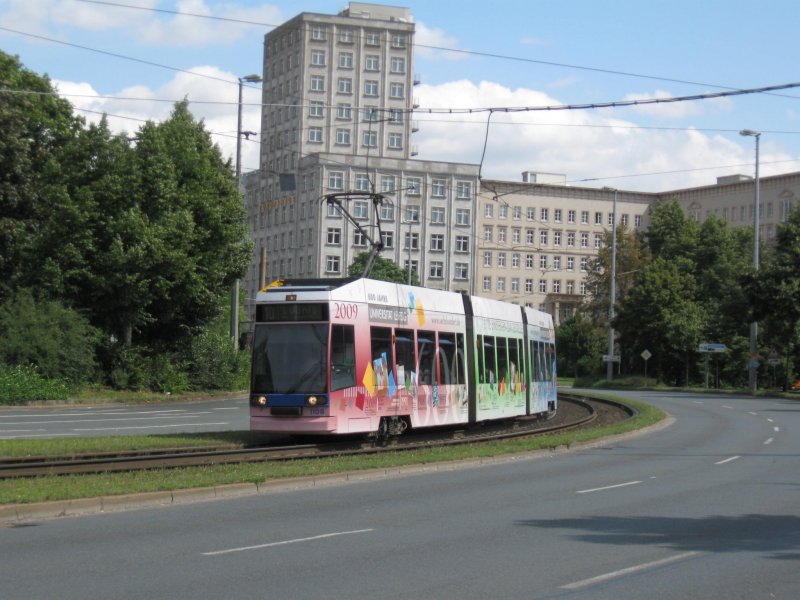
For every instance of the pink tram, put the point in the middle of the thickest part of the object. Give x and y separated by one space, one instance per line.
365 356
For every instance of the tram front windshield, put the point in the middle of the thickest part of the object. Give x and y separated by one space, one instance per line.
290 358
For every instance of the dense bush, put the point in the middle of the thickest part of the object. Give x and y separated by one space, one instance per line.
58 340
214 364
20 384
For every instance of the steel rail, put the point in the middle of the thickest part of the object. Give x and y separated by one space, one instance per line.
186 457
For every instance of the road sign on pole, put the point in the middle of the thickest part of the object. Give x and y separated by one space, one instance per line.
609 358
712 348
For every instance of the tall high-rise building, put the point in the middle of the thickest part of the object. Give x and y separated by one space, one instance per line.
337 102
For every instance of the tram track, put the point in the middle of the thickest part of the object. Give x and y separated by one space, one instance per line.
574 412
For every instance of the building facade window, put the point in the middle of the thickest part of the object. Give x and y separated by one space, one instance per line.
462 216
316 108
437 242
396 141
461 271
333 264
436 269
397 90
361 209
334 236
317 83
369 139
362 182
370 87
336 180
343 137
344 85
346 60
318 58
315 134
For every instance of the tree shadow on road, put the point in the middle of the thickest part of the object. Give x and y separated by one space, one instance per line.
775 534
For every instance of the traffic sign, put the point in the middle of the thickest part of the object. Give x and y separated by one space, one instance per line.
609 358
713 348
646 355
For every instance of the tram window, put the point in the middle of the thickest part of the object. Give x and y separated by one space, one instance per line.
343 351
502 360
460 358
404 350
479 353
515 366
489 367
426 350
539 361
447 358
382 358
550 361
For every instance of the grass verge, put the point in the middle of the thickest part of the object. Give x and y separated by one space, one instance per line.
40 489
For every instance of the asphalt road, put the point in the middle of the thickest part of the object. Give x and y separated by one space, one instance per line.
708 507
140 419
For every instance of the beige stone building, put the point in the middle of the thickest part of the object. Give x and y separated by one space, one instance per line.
732 199
537 238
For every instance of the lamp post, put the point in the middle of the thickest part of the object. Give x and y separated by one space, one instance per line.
235 289
613 285
752 366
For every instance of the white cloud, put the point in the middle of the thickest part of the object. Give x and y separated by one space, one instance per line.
597 146
427 41
180 30
215 102
532 40
674 110
52 17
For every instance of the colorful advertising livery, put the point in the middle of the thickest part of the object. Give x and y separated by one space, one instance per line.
367 356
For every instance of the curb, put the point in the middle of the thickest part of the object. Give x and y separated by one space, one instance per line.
20 515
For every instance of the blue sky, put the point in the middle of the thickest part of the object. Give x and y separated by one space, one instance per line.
575 52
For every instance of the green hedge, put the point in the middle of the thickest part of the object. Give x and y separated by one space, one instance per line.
21 384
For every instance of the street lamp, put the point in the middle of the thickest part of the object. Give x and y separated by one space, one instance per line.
235 289
752 365
613 285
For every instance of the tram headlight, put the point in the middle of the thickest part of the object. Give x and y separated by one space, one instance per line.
313 400
261 400
317 400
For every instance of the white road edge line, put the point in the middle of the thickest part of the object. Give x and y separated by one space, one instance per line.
768 441
120 427
727 460
628 571
608 487
283 543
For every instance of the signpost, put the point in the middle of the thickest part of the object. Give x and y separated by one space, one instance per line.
712 349
646 356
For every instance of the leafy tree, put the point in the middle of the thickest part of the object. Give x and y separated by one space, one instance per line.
775 292
383 269
632 256
671 235
661 315
581 343
36 125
